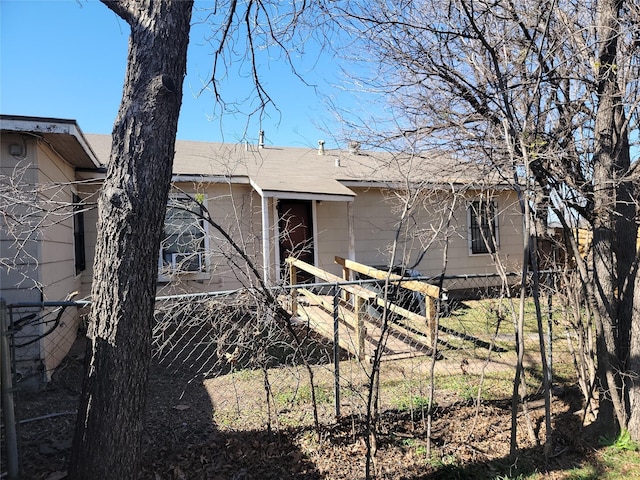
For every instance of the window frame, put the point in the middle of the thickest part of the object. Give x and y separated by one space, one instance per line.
79 234
476 211
168 273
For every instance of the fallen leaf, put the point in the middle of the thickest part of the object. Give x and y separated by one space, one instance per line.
181 407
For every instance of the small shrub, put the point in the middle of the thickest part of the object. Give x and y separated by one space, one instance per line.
622 442
415 402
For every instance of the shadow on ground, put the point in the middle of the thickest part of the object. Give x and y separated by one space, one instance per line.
181 440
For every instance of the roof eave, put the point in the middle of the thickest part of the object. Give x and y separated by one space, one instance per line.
49 130
396 185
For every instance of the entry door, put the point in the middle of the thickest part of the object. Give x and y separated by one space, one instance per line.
296 235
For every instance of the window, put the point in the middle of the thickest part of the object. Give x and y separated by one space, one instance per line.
483 227
185 238
78 234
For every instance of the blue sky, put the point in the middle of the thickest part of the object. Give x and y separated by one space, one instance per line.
67 58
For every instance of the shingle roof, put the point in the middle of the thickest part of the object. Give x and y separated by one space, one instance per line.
304 170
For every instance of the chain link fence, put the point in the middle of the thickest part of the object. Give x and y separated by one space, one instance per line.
37 345
255 370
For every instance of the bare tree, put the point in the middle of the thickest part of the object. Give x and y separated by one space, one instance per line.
28 208
131 210
544 90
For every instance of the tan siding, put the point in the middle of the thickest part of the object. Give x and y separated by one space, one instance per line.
9 162
235 213
376 223
374 227
21 282
332 229
57 252
58 257
17 283
88 193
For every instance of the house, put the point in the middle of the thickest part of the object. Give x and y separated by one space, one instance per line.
273 202
41 252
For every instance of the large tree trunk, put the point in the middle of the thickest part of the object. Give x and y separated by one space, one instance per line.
131 214
633 364
634 361
612 254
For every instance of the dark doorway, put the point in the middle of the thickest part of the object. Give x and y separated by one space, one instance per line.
296 235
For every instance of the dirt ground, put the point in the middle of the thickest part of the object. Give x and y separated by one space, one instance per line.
182 441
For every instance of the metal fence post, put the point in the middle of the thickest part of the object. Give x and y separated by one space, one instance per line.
360 306
336 347
7 397
550 289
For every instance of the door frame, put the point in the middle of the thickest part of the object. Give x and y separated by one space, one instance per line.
314 237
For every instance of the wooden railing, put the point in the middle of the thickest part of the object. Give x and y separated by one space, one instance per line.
360 294
360 298
431 292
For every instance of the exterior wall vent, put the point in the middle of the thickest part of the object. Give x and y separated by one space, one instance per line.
17 150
